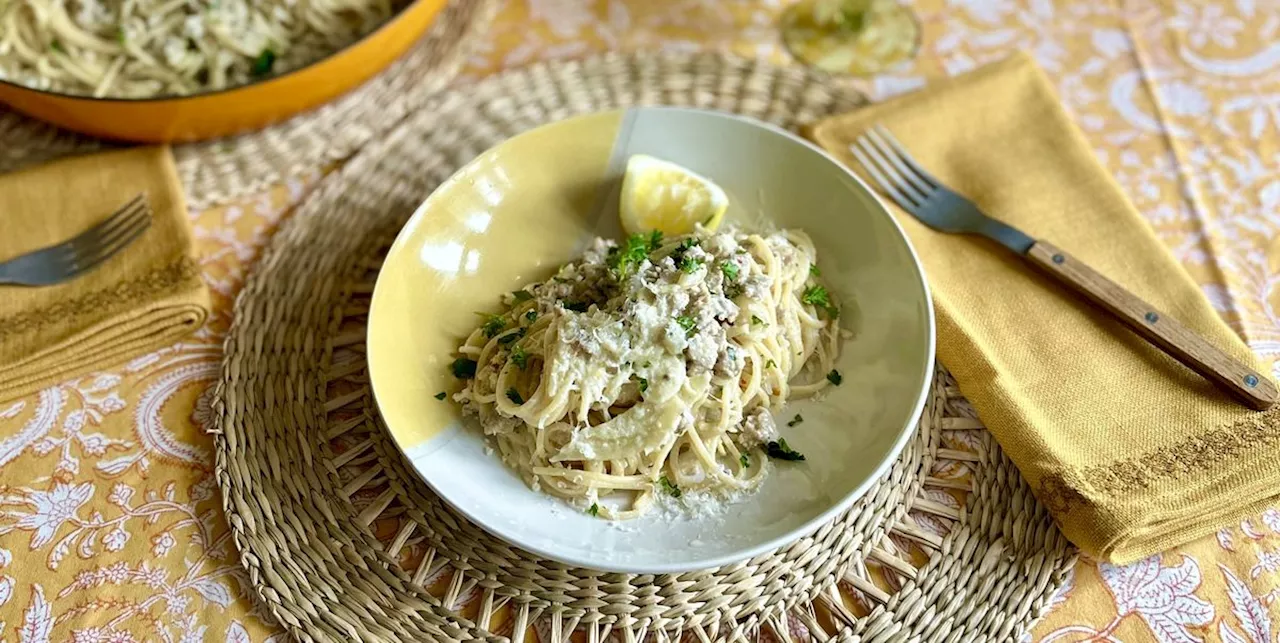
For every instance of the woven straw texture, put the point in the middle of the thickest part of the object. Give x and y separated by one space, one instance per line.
342 541
215 171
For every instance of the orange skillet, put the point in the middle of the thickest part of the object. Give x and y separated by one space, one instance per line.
229 111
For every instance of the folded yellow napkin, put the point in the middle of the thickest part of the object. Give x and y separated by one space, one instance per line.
1132 452
143 298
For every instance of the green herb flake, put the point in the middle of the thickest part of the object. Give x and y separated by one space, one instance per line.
520 358
493 324
56 45
263 63
835 377
521 296
688 243
770 364
730 270
644 385
688 265
744 460
121 36
687 323
576 306
795 420
671 489
781 451
655 240
514 396
594 510
441 395
732 291
816 295
531 315
756 321
463 368
511 337
628 258
813 270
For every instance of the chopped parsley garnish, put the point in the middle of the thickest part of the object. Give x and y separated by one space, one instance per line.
781 451
730 270
441 395
531 315
687 323
521 295
671 489
733 290
121 36
744 460
594 510
56 45
644 385
770 364
835 377
655 240
813 270
493 324
688 264
463 368
520 357
263 63
514 396
576 306
511 337
816 295
756 321
627 259
688 243
795 420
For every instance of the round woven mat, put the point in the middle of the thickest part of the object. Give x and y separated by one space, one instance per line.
342 541
215 171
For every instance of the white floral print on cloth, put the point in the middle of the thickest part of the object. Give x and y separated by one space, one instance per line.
110 525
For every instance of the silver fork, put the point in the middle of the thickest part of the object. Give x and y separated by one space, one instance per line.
81 253
926 198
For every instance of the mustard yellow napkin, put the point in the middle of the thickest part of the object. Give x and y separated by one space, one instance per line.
1131 451
145 297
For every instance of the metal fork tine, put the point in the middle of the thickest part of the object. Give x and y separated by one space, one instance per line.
895 157
906 157
880 179
122 219
913 197
100 254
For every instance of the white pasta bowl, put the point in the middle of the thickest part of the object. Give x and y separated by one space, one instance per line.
525 207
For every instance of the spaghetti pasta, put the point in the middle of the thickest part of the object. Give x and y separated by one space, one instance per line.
652 367
156 48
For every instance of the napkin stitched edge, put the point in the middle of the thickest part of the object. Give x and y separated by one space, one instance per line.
158 280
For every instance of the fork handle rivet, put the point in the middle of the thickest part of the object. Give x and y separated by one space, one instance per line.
1153 318
1059 258
1251 380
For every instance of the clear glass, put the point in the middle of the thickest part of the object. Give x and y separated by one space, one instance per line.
860 37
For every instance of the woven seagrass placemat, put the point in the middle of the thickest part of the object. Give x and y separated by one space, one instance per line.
342 541
215 171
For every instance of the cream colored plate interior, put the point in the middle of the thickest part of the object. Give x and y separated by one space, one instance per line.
521 209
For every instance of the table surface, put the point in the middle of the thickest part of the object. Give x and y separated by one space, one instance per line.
110 523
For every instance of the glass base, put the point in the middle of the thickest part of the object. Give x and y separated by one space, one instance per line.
885 35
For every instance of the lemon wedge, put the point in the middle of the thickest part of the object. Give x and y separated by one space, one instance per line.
660 195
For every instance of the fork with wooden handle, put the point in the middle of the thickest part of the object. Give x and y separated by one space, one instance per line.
901 178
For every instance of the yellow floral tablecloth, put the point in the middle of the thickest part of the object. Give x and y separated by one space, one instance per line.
110 524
